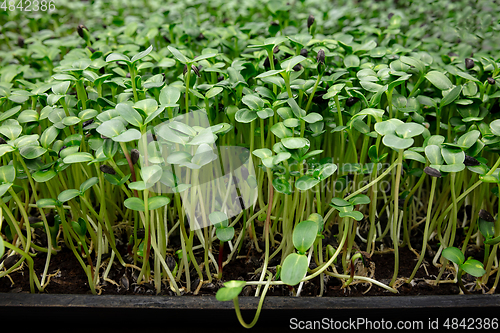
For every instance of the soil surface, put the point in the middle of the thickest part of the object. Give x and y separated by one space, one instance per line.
67 277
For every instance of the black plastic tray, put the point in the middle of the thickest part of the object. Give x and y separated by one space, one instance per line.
89 313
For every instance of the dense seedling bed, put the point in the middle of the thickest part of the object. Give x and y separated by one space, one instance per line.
170 144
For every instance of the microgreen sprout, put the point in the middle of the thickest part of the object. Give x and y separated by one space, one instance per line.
471 266
309 136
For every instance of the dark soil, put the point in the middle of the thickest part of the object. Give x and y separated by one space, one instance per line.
71 279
